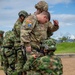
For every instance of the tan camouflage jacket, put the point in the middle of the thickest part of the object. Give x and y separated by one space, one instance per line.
32 33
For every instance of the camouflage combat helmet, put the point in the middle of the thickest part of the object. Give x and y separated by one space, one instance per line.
49 44
42 5
24 13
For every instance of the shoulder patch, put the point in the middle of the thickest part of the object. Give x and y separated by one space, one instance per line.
28 23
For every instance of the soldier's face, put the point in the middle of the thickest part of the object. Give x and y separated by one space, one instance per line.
43 19
22 18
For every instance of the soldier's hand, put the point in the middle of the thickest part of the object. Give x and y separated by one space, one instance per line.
56 23
34 56
28 49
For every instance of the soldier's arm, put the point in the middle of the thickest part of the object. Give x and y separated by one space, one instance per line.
28 65
53 27
26 29
8 40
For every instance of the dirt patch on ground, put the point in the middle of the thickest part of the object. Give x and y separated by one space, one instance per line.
68 66
1 72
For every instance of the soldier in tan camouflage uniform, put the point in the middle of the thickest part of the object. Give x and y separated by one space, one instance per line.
43 6
42 29
13 58
31 31
1 41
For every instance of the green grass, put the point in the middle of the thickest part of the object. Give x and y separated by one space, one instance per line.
66 47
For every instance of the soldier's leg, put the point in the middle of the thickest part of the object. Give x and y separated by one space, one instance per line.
5 65
4 60
10 56
1 60
11 60
1 54
20 62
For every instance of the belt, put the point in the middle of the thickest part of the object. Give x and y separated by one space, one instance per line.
17 41
9 47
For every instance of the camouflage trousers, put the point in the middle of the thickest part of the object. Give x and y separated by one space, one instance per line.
1 60
8 60
29 61
34 72
31 72
13 61
20 60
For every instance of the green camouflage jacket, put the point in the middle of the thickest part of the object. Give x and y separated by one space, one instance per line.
46 65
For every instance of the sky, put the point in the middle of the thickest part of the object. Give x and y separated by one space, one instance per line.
61 10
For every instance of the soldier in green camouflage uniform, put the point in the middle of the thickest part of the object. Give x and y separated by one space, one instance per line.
13 58
43 6
19 55
8 53
1 41
49 64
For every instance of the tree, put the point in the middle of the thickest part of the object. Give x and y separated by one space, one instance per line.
63 39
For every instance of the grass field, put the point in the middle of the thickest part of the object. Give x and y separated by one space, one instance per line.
66 47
